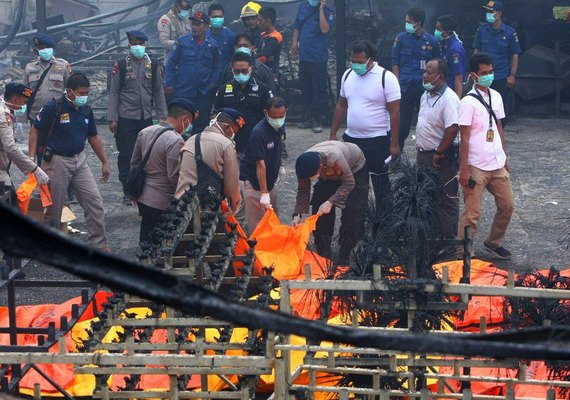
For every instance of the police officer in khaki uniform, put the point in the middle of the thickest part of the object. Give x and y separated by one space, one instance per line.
136 86
173 24
53 83
16 96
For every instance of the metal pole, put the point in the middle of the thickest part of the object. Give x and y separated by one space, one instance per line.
41 16
340 6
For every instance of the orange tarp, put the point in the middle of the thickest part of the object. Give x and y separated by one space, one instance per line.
25 190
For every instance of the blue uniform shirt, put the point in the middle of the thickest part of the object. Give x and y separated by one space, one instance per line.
70 131
313 44
454 53
264 144
500 44
225 39
192 67
411 53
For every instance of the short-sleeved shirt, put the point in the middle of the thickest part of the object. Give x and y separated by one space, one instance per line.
225 39
454 53
488 156
411 53
71 129
368 114
264 144
270 50
438 111
313 44
500 44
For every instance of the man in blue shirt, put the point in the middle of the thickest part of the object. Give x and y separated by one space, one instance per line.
222 35
312 25
501 42
453 53
193 69
66 123
412 50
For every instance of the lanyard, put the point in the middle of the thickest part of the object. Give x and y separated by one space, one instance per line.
489 106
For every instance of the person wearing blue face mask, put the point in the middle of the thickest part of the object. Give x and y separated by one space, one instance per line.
47 75
163 143
484 163
135 92
411 51
221 34
453 52
62 127
246 94
501 42
173 25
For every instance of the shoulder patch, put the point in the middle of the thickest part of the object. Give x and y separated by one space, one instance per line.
163 21
229 88
115 68
456 58
516 37
8 119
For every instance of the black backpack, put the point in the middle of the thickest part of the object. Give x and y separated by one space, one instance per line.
209 185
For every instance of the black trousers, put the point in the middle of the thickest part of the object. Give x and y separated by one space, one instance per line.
151 217
204 104
448 208
410 102
351 220
125 138
313 82
506 93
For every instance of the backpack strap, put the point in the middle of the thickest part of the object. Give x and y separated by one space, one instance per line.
487 107
149 151
198 150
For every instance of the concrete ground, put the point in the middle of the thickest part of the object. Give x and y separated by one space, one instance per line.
541 180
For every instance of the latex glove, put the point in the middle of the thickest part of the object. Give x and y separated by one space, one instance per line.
41 176
282 174
265 200
325 208
296 220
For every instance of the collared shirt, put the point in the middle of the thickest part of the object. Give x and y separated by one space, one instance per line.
264 144
134 99
249 100
454 53
72 128
313 44
500 44
162 168
225 39
53 84
411 53
218 153
341 161
368 114
192 68
488 156
170 27
438 111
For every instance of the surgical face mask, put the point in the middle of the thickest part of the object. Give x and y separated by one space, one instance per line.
46 54
410 27
188 129
314 3
20 111
490 17
245 50
438 35
429 86
138 51
276 123
360 69
242 79
217 22
485 80
80 101
183 14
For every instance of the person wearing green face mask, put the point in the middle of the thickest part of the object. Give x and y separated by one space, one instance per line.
453 53
222 35
174 24
484 163
56 71
501 42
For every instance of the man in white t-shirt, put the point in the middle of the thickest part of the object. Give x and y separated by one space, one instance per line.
370 101
484 163
436 132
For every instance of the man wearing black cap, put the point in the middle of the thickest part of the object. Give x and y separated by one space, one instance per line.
193 69
16 95
501 42
47 75
218 155
136 86
173 25
164 142
342 175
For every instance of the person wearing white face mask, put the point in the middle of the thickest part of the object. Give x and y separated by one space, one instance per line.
262 164
16 95
136 91
174 24
342 182
47 75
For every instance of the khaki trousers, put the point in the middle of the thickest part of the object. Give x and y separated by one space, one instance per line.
253 210
498 183
75 174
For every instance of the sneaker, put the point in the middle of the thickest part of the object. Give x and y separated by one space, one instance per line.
317 127
308 124
500 252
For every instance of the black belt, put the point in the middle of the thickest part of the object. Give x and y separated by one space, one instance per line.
426 151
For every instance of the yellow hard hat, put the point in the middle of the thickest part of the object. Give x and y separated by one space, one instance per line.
251 9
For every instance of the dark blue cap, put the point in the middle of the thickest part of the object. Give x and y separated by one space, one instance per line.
14 88
200 17
186 104
235 115
43 39
307 164
140 35
494 6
